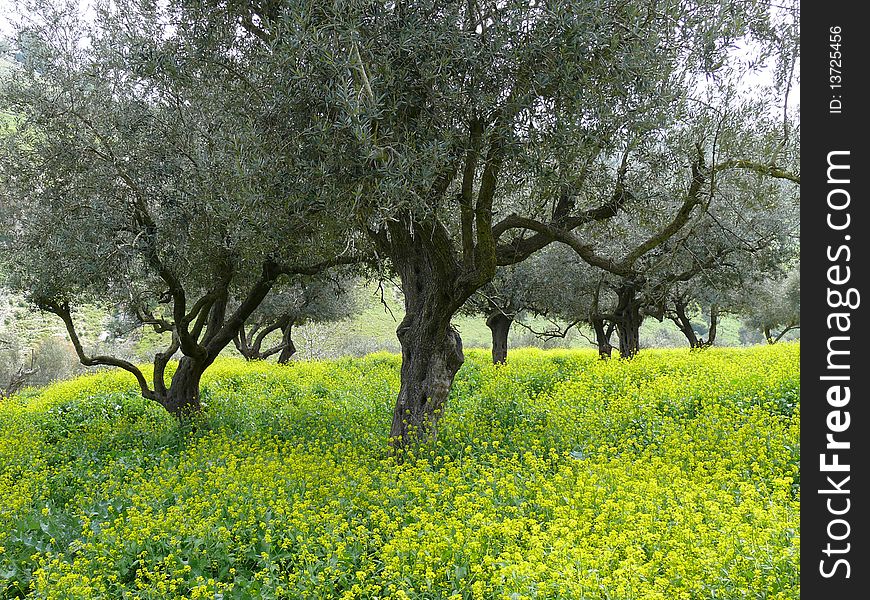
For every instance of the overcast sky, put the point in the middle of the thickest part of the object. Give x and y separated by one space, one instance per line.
5 7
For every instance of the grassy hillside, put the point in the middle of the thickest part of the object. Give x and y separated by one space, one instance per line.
674 475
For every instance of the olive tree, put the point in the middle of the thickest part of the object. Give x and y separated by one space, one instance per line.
552 285
16 370
508 297
689 232
143 174
715 199
773 304
457 137
307 300
470 135
697 305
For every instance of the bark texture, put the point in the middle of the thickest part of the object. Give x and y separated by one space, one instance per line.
435 286
182 399
500 325
628 319
431 357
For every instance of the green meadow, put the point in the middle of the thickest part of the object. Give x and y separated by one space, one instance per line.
673 476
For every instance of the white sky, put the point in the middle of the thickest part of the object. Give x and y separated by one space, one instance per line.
5 9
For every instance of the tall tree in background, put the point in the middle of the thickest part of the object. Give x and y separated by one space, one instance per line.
552 285
685 235
142 175
714 194
510 294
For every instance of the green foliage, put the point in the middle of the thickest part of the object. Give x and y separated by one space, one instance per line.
555 476
141 175
773 305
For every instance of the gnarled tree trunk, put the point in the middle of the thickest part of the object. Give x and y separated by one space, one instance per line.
288 347
628 321
19 378
181 398
200 330
434 289
244 344
249 341
431 352
500 325
603 332
431 357
681 319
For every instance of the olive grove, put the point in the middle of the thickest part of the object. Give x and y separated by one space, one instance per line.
191 154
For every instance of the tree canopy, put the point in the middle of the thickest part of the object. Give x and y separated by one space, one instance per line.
474 134
141 177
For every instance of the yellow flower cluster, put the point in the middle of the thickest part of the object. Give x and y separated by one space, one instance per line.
671 476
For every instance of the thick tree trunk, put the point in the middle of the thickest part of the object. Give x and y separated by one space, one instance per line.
500 326
431 356
602 337
435 284
628 320
289 348
629 338
182 397
431 347
691 336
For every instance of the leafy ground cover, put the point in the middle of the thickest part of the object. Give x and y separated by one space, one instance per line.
674 475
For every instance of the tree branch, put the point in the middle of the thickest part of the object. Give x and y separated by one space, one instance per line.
146 317
278 323
769 170
466 209
521 248
271 270
692 199
551 334
62 310
553 233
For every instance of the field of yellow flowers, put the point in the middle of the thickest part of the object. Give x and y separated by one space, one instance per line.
672 476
